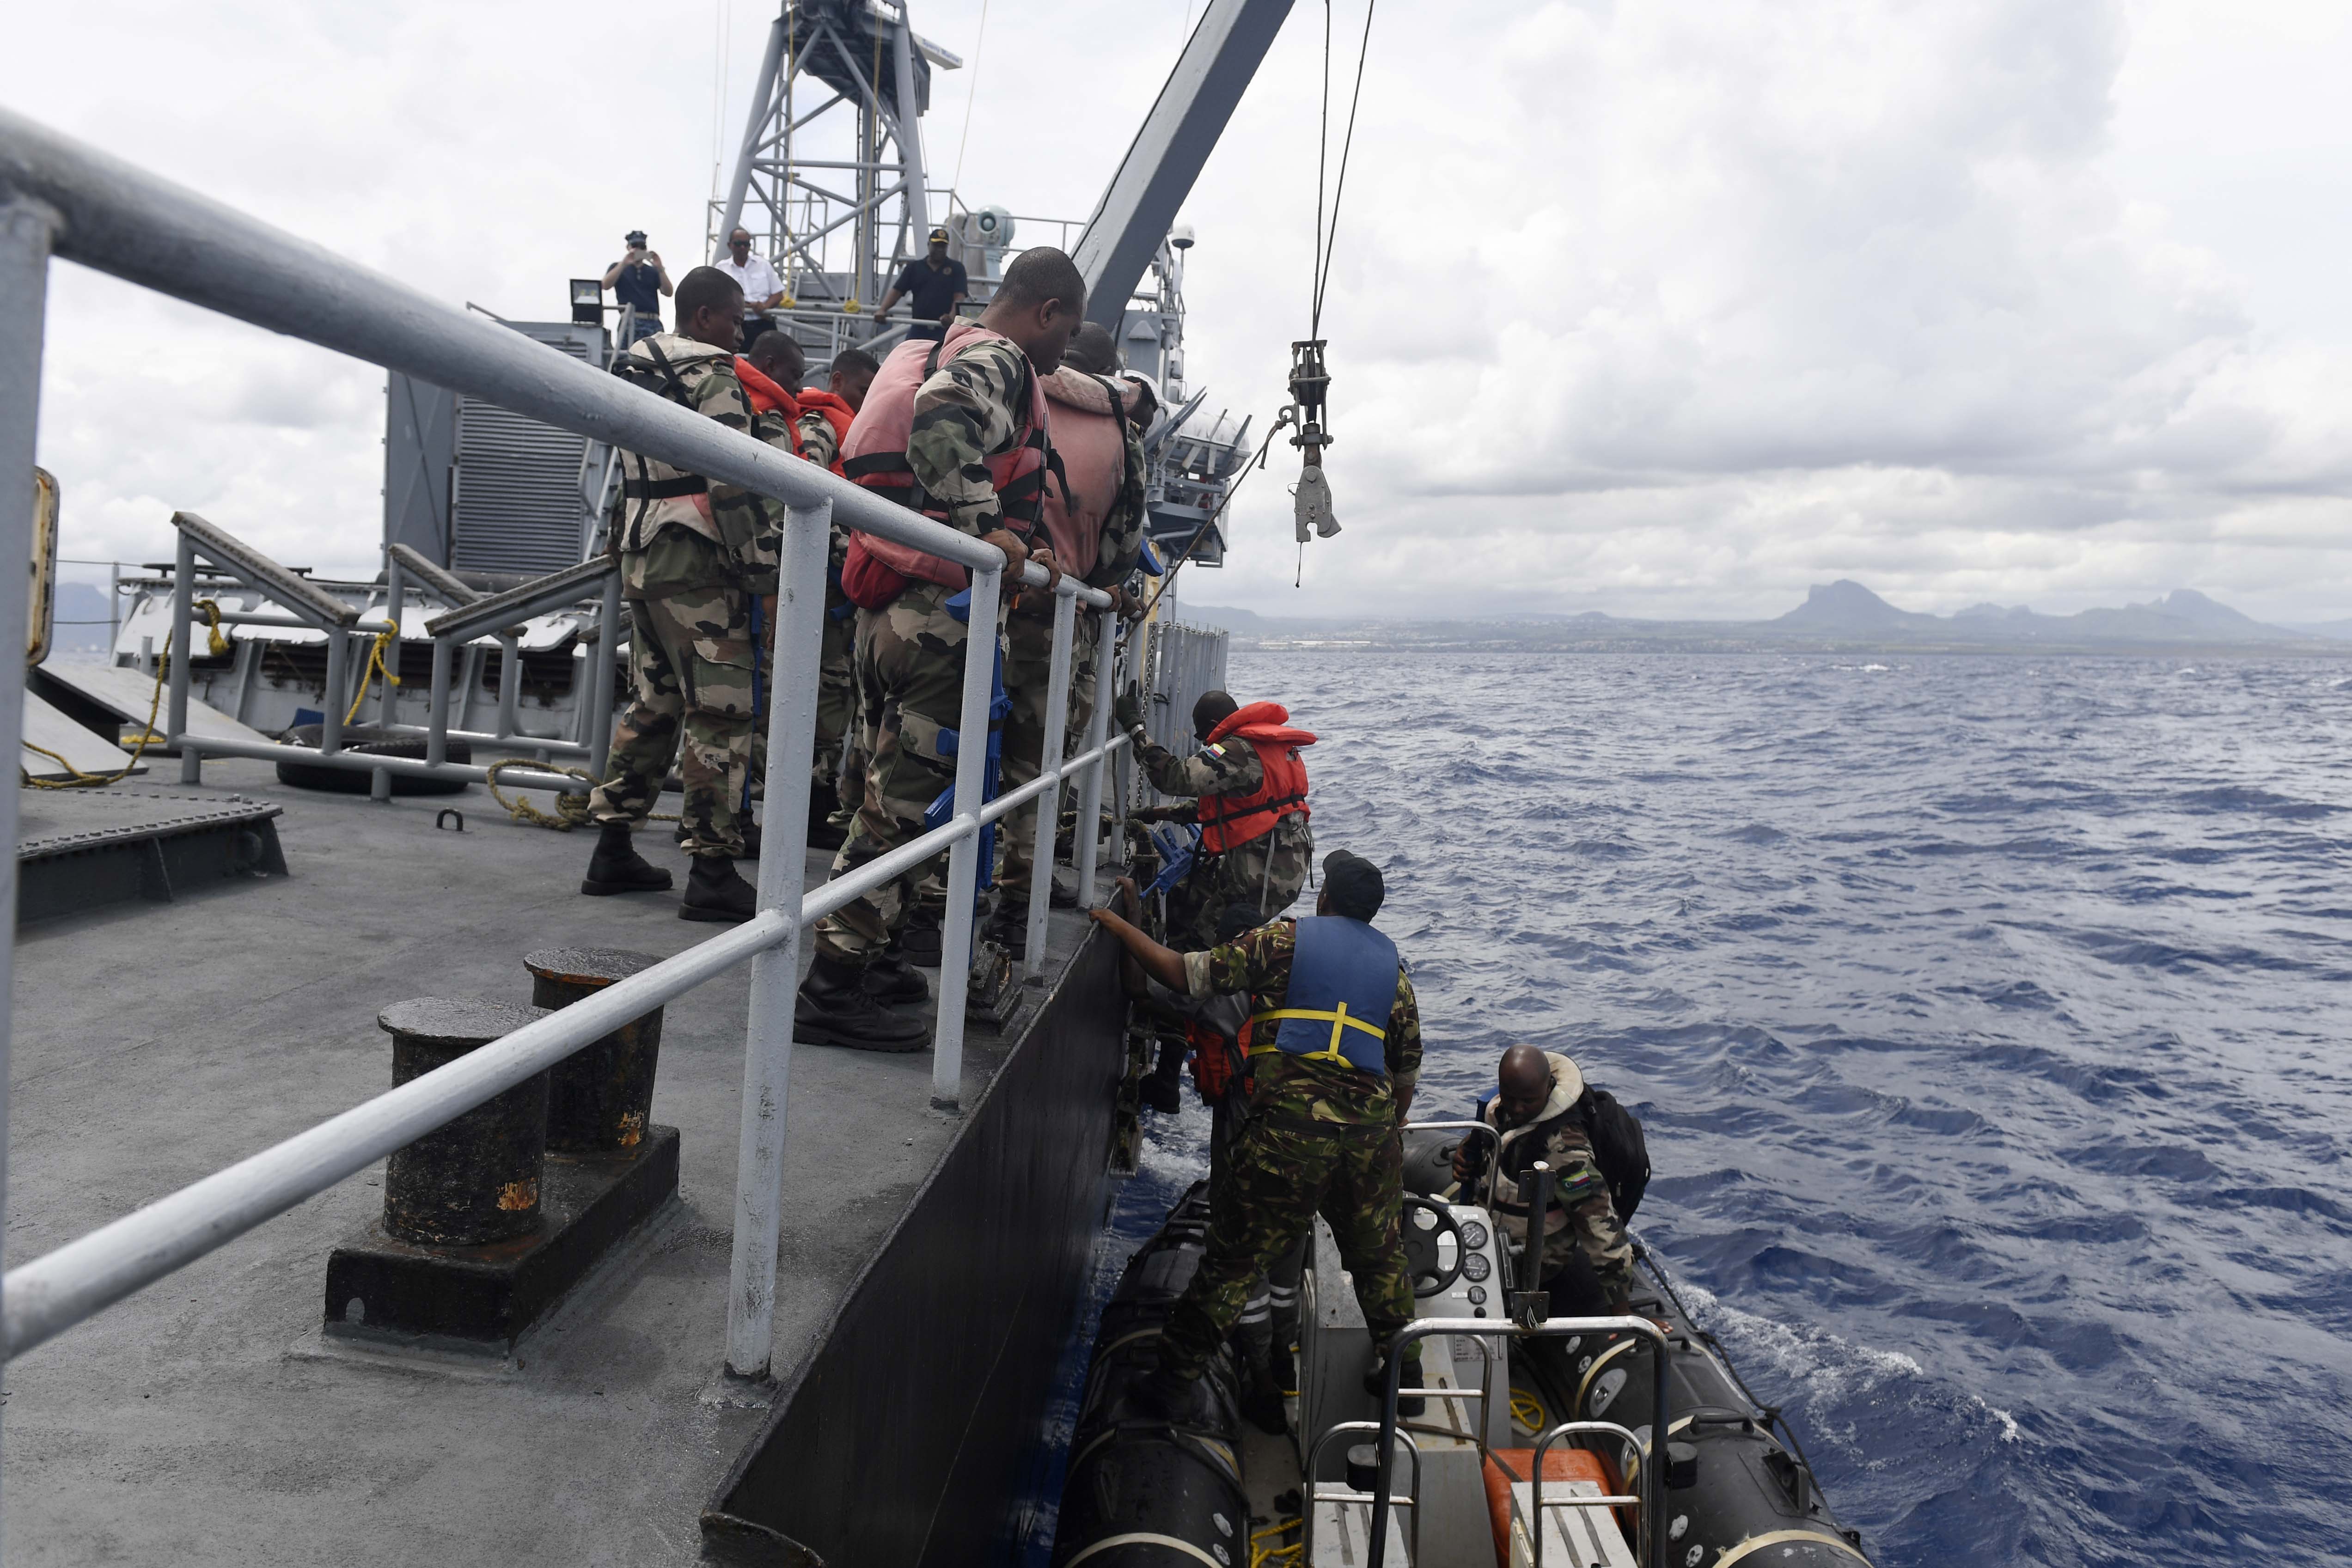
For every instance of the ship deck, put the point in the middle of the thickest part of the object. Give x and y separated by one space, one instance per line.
204 1420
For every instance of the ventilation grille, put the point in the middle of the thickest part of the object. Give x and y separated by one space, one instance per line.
518 486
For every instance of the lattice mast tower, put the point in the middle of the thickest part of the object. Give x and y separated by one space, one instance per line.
829 175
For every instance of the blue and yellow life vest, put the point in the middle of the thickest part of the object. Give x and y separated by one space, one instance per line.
1343 982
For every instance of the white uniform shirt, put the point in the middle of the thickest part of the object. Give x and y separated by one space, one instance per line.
757 278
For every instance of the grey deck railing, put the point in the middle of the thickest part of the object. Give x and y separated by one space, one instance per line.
61 199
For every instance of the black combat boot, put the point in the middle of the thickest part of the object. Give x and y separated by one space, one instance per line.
825 802
1009 928
1408 1402
1162 1089
1065 891
715 890
1262 1402
922 940
834 1008
894 982
750 842
616 867
1165 1395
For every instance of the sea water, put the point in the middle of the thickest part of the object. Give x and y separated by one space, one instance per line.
1989 1019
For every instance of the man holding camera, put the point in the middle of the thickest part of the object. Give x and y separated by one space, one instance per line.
640 279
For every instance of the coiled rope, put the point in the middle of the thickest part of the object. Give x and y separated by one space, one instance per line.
571 810
215 641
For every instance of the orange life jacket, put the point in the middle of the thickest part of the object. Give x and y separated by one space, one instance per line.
874 453
766 396
837 413
1230 821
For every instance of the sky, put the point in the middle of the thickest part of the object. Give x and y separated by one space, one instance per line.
1665 310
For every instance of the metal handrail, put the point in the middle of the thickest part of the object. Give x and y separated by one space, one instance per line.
1536 1502
1380 1497
1653 1464
116 218
62 198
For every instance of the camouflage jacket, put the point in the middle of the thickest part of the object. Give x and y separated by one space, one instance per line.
1291 1088
727 537
818 444
1229 767
821 446
1581 1214
972 409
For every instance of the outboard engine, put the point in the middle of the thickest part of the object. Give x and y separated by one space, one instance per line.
1160 1487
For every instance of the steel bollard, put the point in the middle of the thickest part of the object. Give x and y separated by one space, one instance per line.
601 1098
477 1178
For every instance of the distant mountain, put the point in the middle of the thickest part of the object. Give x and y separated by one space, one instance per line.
2184 614
1847 606
2341 631
79 624
1847 609
1242 623
1843 614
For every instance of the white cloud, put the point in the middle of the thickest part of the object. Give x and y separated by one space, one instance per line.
1660 309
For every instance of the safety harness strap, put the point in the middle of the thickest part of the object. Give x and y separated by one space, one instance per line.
1339 1018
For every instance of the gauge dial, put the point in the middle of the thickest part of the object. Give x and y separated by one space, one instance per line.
1476 1267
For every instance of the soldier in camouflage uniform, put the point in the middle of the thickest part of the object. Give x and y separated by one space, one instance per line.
1588 1261
1095 515
972 406
695 557
1322 1138
1262 876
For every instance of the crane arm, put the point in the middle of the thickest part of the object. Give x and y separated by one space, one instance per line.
1178 135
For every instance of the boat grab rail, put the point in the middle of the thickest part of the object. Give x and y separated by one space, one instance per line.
1493 1137
60 197
1538 1502
1315 1494
1653 1466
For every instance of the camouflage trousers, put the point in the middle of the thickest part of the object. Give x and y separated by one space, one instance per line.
690 667
1028 662
836 705
1279 1176
1244 888
909 666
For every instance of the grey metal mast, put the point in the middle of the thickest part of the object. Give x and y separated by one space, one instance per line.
870 74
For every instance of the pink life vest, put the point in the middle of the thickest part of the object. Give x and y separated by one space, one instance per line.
1090 439
874 453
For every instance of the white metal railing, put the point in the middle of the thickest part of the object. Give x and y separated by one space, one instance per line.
59 198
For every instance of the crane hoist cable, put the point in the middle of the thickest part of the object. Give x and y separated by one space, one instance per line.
1310 377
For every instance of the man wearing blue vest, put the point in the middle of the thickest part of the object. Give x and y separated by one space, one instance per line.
1334 1045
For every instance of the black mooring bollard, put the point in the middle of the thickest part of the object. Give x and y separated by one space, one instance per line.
477 1178
600 1097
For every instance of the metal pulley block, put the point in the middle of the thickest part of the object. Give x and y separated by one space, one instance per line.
1310 383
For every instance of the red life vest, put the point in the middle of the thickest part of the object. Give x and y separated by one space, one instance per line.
1090 437
766 396
874 453
1228 822
837 413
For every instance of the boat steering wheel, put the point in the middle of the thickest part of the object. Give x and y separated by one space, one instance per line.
1425 1222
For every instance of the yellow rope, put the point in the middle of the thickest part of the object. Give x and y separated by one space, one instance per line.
1528 1411
215 641
147 737
375 666
1261 1556
570 811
